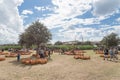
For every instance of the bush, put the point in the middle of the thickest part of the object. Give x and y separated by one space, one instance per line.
12 46
70 47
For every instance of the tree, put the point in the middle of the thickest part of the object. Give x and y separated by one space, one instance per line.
87 43
21 39
110 40
25 40
58 43
35 34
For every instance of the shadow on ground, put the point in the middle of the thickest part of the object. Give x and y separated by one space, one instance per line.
18 63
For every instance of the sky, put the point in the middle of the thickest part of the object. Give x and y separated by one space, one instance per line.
67 20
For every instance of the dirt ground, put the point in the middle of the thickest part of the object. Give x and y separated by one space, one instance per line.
62 67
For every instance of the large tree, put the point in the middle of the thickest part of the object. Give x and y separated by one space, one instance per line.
110 40
25 40
35 34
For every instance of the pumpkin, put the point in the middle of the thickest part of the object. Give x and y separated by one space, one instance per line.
81 57
76 57
23 61
38 56
86 57
1 59
38 61
43 61
102 55
81 54
27 61
32 62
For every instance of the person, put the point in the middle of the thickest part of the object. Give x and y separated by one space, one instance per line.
106 53
52 51
60 51
2 50
115 51
63 51
49 53
18 57
111 54
41 53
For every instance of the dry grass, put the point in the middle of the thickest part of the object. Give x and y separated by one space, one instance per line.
61 67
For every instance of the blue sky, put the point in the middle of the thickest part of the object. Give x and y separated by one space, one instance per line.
66 19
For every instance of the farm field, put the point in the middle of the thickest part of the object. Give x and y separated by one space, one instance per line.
62 67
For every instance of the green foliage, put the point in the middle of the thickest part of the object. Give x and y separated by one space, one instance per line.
110 40
70 47
85 47
35 34
87 43
58 43
6 47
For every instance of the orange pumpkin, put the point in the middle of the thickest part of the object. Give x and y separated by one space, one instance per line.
86 57
23 61
27 61
39 61
1 59
102 55
45 60
76 57
32 62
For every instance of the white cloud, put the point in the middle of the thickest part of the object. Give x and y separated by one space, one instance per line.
25 12
87 33
1 1
67 9
64 16
43 8
118 20
11 24
38 8
105 7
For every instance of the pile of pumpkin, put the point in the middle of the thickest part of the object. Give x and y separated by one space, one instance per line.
29 61
74 52
102 53
24 52
68 53
2 59
99 52
36 55
11 55
3 53
81 56
79 51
